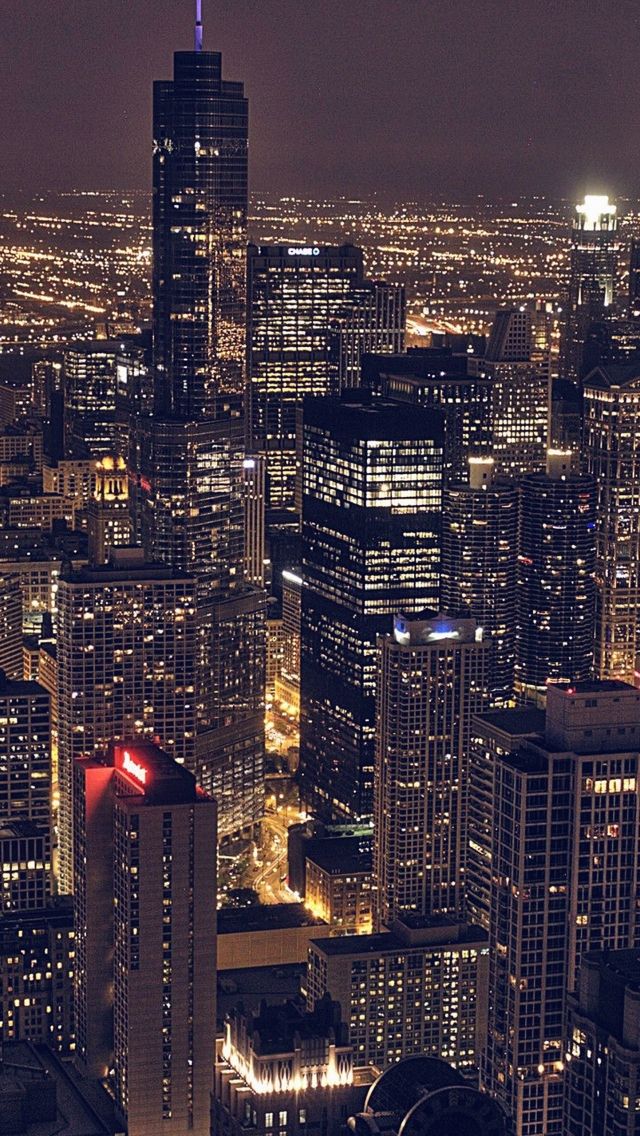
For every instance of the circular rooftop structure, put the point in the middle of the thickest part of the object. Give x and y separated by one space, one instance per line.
424 1096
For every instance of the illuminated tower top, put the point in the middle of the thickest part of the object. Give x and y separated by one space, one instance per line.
593 272
198 29
596 214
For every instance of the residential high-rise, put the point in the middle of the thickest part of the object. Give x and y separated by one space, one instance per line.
593 271
25 752
286 1069
479 563
431 681
563 854
372 487
26 797
311 315
492 735
37 962
556 576
191 448
602 1061
126 667
10 625
109 519
25 863
519 394
612 457
145 870
420 988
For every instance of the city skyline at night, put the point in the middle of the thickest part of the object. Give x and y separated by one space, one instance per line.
319 570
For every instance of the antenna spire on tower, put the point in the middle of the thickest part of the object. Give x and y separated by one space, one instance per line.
198 35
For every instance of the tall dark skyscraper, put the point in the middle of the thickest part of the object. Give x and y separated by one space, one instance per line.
479 560
191 450
372 488
200 159
556 576
612 456
592 277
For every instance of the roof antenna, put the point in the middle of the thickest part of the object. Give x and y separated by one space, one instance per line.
198 36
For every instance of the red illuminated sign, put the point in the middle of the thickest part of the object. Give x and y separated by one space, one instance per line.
134 769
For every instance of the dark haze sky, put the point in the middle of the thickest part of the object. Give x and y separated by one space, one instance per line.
406 97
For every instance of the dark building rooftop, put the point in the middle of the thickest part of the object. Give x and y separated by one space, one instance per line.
125 564
341 855
41 1096
10 687
267 917
518 723
279 1028
359 415
411 930
153 775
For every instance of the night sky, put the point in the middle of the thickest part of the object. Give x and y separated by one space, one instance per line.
403 97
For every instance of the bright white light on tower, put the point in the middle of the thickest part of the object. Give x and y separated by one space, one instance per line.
593 208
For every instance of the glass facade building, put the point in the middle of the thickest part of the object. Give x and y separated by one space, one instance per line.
593 271
612 457
479 561
191 449
371 501
556 576
311 315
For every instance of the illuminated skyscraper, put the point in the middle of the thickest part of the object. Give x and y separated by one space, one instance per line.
556 583
89 384
145 869
479 562
191 448
254 490
431 681
439 380
109 519
593 269
200 162
372 490
492 734
519 395
612 455
311 316
126 667
564 849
